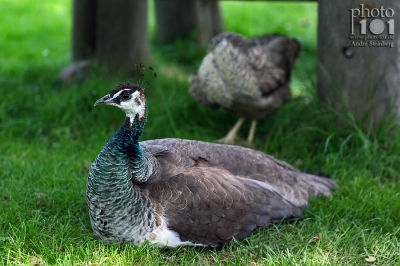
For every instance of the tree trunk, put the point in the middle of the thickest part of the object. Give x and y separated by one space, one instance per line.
179 18
210 20
83 29
175 19
122 33
357 75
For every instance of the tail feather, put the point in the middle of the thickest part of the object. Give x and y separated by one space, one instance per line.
298 187
320 185
317 186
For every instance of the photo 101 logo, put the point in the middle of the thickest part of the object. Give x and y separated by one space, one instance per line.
376 27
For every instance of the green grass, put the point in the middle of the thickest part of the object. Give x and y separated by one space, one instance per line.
50 134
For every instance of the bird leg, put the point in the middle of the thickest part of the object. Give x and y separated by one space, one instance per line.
250 138
230 137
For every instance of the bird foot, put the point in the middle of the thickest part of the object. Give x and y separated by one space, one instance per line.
226 140
247 143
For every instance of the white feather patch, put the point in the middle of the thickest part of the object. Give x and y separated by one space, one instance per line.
165 237
131 107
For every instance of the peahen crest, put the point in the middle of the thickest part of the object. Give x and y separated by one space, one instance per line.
144 81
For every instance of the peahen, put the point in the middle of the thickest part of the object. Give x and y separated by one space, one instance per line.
247 77
175 192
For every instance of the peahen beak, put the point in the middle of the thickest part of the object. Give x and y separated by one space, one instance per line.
104 100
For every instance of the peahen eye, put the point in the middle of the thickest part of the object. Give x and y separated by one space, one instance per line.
125 95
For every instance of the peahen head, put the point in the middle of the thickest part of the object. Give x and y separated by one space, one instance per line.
130 98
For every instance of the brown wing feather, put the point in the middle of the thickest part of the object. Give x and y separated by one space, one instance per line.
177 155
211 206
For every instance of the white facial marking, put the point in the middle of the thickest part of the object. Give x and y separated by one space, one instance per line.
118 93
135 105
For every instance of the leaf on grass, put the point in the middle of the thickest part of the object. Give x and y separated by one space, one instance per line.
316 239
170 258
253 264
37 261
370 259
227 255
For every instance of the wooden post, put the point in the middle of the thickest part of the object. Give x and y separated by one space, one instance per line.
210 20
115 32
178 18
83 29
175 19
122 37
356 74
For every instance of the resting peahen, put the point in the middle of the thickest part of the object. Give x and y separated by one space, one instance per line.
247 77
175 192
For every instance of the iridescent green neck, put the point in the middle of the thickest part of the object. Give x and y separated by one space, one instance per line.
118 210
123 151
129 133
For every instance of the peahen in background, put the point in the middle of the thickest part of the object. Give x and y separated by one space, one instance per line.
175 192
250 78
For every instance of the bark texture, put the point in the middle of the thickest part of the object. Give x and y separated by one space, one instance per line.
358 75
